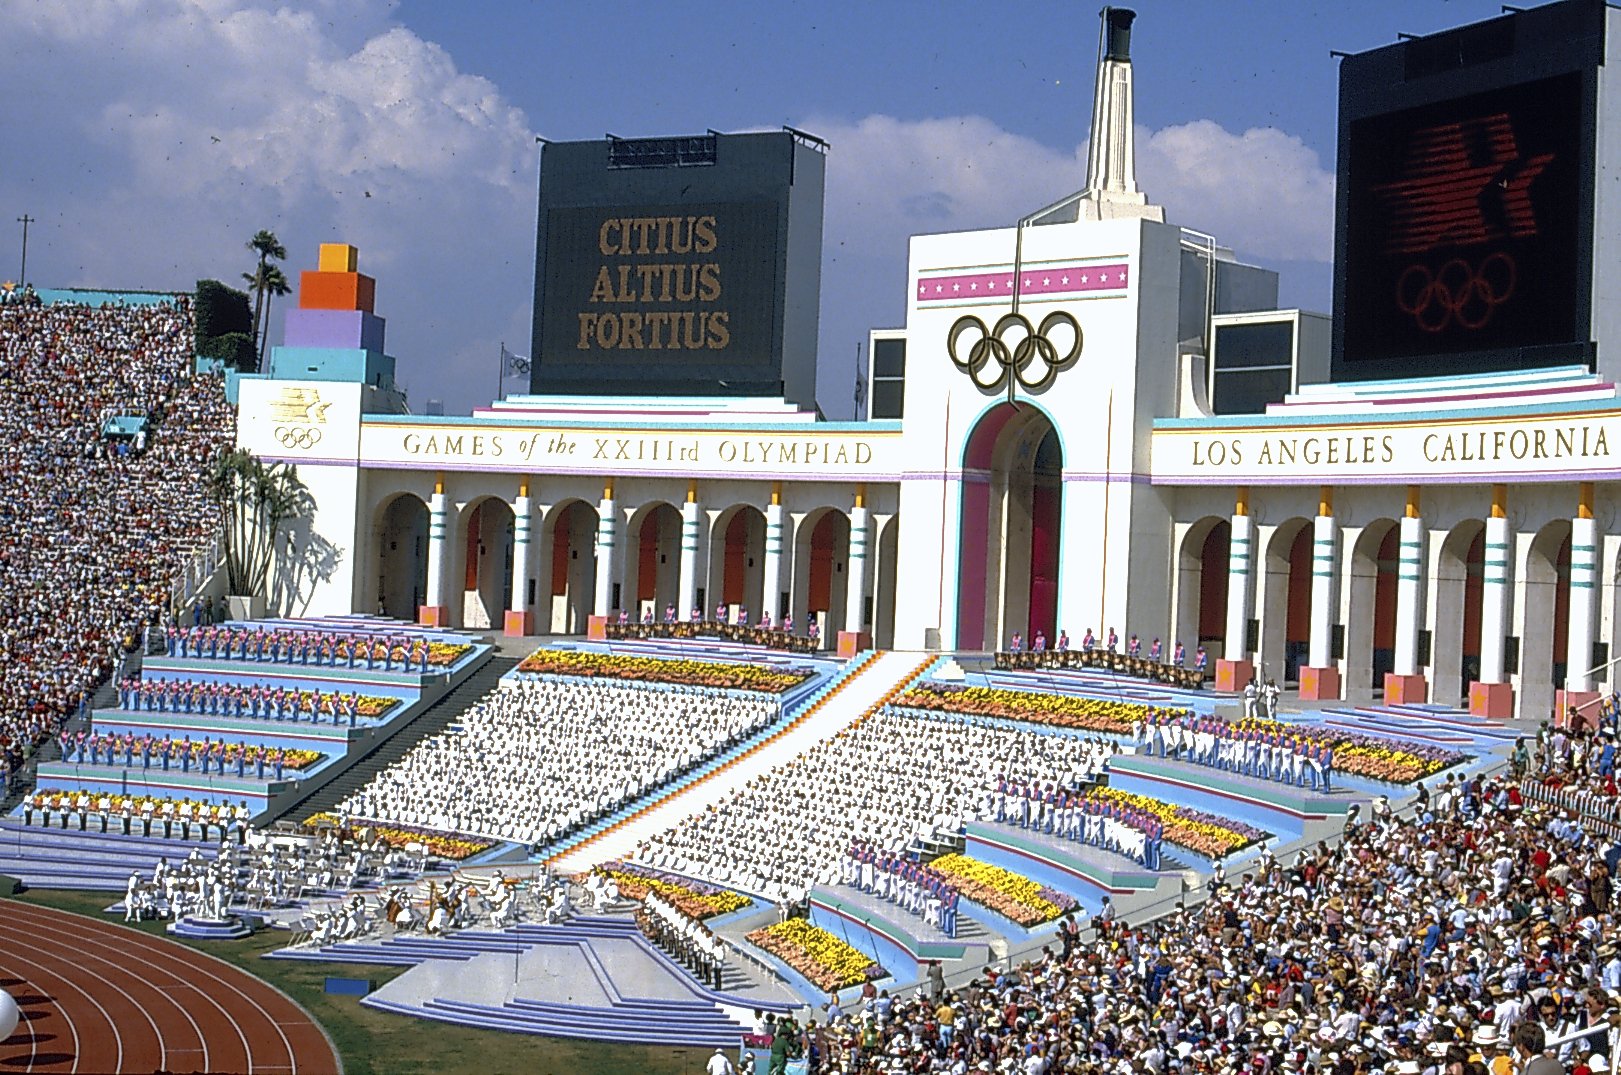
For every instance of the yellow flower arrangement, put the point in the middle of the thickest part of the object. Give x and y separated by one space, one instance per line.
1195 830
1009 894
439 844
446 653
1057 710
826 962
212 813
748 677
687 899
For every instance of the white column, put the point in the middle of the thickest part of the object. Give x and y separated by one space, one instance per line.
856 570
1494 597
521 509
1240 587
1584 579
438 548
771 573
688 593
1409 595
607 542
1325 571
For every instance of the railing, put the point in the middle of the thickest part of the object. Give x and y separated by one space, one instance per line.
1600 813
196 572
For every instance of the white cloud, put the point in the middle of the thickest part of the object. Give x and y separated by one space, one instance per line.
181 127
1262 192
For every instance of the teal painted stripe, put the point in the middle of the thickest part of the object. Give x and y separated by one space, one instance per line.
1581 585
1412 544
1583 548
1404 577
1323 574
1497 544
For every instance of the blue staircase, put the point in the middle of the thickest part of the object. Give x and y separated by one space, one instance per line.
88 861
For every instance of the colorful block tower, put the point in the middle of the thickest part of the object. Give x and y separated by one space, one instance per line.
333 335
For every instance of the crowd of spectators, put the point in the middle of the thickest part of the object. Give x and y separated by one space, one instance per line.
92 533
898 775
1477 938
541 757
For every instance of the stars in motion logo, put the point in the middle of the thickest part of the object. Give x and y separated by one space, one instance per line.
1464 184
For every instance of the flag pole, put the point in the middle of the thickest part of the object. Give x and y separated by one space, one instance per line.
500 371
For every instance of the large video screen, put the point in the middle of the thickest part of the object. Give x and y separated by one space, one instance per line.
1462 227
661 286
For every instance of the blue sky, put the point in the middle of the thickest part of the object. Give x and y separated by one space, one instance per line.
407 129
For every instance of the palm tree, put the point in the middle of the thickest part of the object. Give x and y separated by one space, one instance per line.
274 283
268 247
253 500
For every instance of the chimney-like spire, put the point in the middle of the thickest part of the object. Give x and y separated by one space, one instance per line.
1111 175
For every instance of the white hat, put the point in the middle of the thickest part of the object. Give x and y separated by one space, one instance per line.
1598 1062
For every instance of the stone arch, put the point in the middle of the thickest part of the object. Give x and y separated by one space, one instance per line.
883 591
1544 631
480 583
1370 619
567 569
737 561
1455 634
653 560
1285 600
401 586
1011 512
1202 575
821 558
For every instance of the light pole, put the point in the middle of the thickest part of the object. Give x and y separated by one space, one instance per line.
22 277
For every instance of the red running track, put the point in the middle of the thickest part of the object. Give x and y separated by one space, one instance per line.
99 997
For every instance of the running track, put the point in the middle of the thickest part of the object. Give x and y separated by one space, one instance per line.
99 997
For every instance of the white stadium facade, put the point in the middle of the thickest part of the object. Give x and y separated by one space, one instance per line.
1091 419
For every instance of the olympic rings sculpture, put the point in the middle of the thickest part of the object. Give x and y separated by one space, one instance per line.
1457 292
298 436
1015 347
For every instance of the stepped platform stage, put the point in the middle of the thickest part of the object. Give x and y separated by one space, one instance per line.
594 977
1080 870
339 744
1441 725
1289 812
1105 686
896 938
91 861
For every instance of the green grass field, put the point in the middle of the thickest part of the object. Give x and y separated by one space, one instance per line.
378 1043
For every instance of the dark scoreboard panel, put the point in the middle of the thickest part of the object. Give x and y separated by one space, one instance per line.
682 284
1465 222
1462 225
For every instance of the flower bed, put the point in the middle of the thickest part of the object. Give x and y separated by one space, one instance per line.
747 677
446 653
439 844
692 898
1395 761
1009 894
57 799
826 962
368 705
1057 710
1205 834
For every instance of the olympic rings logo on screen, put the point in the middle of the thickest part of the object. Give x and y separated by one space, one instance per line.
297 436
1016 349
1457 293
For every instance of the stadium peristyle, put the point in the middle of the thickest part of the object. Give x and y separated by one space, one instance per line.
1153 680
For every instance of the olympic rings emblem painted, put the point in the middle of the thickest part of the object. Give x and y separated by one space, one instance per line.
1457 293
298 436
1015 348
